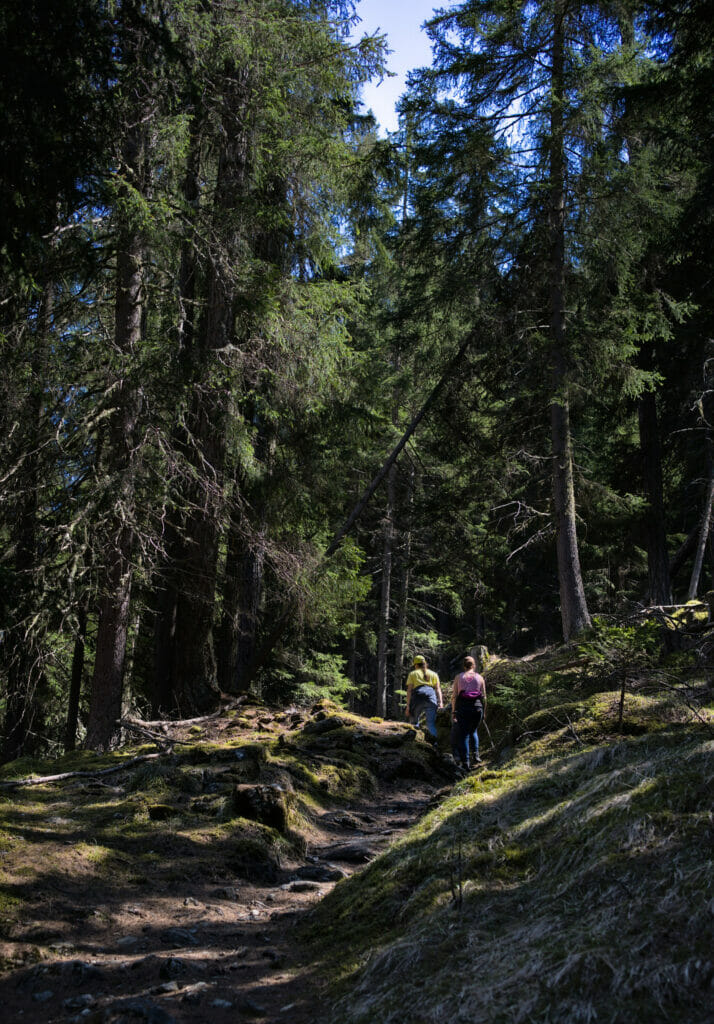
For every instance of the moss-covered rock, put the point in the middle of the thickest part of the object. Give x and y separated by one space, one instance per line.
269 805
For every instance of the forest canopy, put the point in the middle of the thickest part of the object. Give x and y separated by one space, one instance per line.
225 300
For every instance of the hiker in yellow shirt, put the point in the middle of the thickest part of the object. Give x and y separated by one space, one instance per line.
423 695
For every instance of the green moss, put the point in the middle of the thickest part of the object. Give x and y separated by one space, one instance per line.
10 909
588 839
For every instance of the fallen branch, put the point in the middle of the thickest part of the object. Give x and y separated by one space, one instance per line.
40 780
683 699
162 742
180 723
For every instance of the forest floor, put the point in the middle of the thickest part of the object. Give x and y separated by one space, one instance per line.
307 865
175 922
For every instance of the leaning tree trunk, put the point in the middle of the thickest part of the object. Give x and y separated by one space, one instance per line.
573 606
660 585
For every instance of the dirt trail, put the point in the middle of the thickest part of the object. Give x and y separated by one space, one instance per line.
206 946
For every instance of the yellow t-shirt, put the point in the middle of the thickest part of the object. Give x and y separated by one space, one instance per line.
416 679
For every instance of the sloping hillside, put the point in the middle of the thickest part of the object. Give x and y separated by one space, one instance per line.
572 880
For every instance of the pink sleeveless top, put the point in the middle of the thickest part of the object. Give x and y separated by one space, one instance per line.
469 685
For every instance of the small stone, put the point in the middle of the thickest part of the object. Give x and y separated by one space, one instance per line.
165 988
43 997
151 962
141 1009
229 893
79 972
320 873
222 1003
301 885
354 853
196 993
173 968
179 937
126 941
78 1002
252 1009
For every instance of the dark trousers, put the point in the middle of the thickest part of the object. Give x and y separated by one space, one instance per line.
469 715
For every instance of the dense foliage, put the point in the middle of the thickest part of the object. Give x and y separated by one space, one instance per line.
225 299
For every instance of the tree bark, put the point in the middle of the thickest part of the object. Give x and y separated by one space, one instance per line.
385 599
573 607
401 627
116 564
704 525
108 675
660 585
75 680
187 670
242 598
21 645
168 585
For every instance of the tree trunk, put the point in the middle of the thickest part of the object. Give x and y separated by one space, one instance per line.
108 675
401 628
242 598
660 586
75 680
22 647
704 524
573 607
193 673
167 584
385 599
245 564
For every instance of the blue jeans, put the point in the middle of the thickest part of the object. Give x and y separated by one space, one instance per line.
468 718
428 707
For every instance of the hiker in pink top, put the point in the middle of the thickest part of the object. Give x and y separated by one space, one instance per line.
468 709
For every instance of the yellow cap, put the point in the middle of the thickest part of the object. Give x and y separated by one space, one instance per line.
419 660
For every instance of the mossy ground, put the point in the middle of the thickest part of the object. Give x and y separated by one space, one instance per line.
572 880
569 880
93 839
